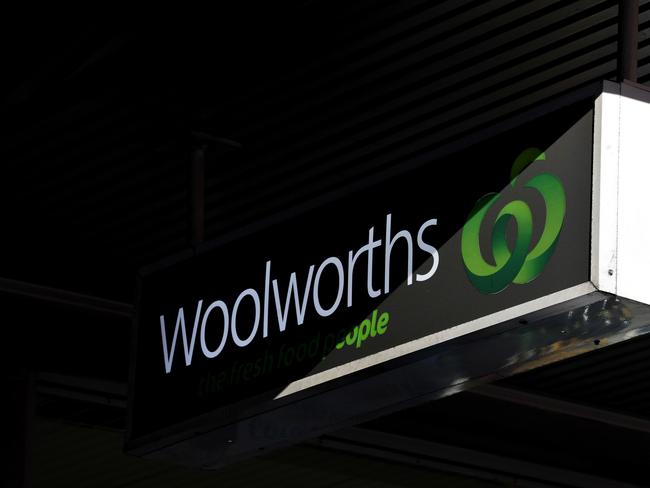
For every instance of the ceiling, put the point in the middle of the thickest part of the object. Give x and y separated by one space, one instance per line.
104 118
298 98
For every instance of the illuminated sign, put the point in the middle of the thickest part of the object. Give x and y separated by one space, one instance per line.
389 267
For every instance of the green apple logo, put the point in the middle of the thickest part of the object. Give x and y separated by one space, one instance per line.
518 265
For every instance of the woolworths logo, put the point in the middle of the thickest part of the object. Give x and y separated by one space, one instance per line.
514 263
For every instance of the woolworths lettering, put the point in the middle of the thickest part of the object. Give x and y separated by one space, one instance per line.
305 293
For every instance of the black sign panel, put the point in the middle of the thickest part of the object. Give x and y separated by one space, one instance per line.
375 274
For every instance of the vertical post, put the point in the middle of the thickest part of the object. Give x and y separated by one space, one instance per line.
18 385
197 181
628 44
18 470
197 196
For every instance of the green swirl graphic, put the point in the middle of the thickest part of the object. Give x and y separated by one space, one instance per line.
521 264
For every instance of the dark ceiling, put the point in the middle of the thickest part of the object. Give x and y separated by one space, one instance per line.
306 96
102 117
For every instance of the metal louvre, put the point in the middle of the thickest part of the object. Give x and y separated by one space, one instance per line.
613 378
340 94
422 90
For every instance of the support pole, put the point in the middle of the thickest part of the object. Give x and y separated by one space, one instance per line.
197 181
628 39
20 419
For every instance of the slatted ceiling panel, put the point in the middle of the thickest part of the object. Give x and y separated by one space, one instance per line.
103 130
148 195
136 185
609 391
157 244
157 241
614 378
64 165
339 91
151 176
58 51
362 58
644 42
570 376
396 111
634 403
167 207
437 64
622 391
98 177
98 133
147 242
99 165
112 181
427 47
345 31
323 96
50 122
353 128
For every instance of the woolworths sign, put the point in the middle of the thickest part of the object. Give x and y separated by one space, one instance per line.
388 268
